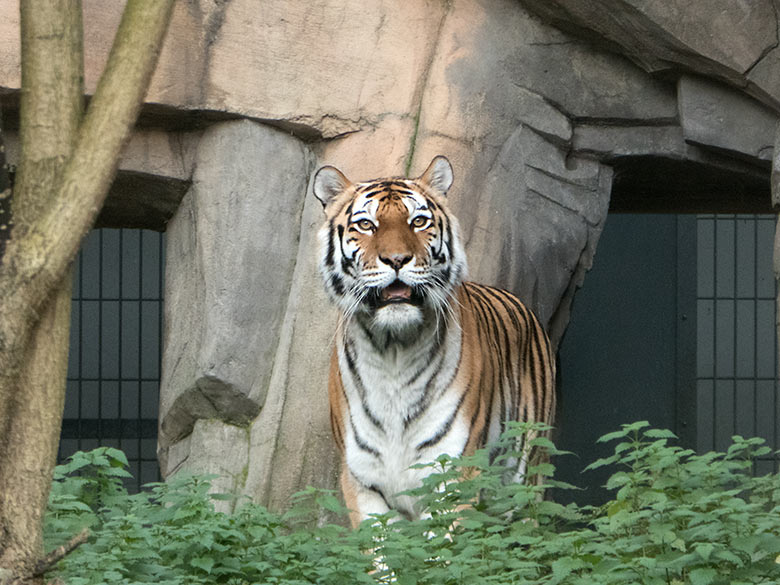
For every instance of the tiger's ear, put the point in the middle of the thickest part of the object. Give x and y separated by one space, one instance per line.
438 175
329 182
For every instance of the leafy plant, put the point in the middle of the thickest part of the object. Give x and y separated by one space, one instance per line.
675 518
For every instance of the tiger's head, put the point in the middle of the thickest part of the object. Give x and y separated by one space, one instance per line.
390 251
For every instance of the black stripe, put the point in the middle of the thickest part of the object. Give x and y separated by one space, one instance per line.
331 247
346 262
449 241
446 428
504 360
337 284
362 445
422 404
440 336
536 339
394 183
340 229
375 489
531 334
441 234
361 389
490 329
512 313
419 407
346 265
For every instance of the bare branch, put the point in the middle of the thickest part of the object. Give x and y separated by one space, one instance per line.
59 553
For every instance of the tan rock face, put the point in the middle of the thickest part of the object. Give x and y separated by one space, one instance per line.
330 67
333 66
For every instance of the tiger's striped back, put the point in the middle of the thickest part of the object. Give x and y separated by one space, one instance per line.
425 362
510 362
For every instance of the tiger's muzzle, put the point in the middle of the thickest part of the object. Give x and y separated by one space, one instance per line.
397 292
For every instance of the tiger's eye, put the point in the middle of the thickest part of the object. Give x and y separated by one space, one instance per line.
419 221
365 225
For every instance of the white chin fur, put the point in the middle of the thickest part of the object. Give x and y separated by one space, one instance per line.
398 318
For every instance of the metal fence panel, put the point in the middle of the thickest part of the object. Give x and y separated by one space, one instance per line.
115 347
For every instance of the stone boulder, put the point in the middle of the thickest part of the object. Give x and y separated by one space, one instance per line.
230 255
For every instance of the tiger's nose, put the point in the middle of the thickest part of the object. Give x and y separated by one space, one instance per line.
396 261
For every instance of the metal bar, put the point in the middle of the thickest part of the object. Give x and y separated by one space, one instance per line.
714 332
140 356
774 354
755 330
686 408
120 388
160 317
734 402
100 336
81 336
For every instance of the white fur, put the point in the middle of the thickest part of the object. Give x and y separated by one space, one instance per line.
390 402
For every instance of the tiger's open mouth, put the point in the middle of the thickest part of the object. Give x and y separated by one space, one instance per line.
395 292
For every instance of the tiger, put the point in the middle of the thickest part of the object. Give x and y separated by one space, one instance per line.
424 362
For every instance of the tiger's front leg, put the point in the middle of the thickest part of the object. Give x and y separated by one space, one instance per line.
361 501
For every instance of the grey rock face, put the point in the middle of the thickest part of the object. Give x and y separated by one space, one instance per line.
231 250
714 115
726 40
549 212
214 448
291 445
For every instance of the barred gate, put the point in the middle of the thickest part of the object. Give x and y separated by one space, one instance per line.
115 348
676 325
736 338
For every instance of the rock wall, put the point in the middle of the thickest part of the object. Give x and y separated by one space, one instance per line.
543 106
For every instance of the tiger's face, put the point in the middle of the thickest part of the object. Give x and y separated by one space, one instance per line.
390 251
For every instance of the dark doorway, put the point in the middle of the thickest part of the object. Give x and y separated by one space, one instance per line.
675 325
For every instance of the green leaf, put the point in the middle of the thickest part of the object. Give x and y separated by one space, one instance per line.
659 434
704 550
116 472
703 576
117 457
563 566
203 563
612 436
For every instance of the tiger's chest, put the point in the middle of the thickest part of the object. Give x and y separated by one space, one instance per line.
403 409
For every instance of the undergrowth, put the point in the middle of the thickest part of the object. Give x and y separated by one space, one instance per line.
674 518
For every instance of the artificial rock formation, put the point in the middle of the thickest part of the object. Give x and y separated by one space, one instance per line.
546 108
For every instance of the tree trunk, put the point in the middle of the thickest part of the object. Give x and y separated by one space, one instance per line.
49 117
66 167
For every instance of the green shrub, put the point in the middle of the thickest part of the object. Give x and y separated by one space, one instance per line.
675 518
